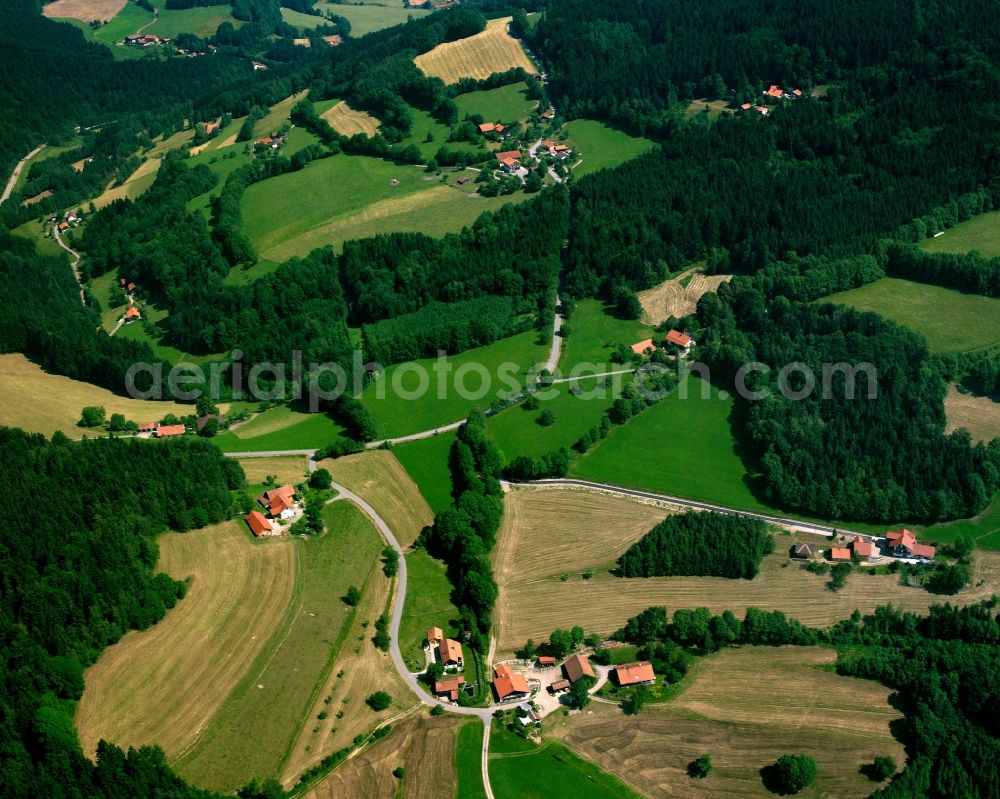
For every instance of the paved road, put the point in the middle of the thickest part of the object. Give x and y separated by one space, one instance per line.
792 524
272 453
9 188
73 264
484 714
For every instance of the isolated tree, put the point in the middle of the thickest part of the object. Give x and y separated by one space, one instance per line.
398 772
92 416
546 418
320 479
117 423
353 596
205 405
882 768
437 710
700 767
379 700
792 773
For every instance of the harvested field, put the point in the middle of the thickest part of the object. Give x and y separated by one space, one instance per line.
380 479
678 296
424 746
39 402
549 533
83 10
285 469
979 415
479 56
163 685
346 121
841 721
37 198
137 183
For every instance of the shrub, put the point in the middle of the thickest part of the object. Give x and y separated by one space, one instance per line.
320 479
881 769
353 596
379 700
792 773
700 767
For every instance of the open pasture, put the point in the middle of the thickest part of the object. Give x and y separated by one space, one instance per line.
594 334
840 721
83 10
506 104
601 146
979 415
367 17
347 122
164 685
426 461
40 402
981 233
279 428
950 320
552 533
479 56
284 468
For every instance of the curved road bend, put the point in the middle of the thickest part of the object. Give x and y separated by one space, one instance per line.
483 714
9 188
794 524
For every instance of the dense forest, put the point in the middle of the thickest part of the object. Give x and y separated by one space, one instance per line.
77 563
706 544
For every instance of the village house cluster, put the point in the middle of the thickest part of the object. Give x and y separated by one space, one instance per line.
277 505
896 544
774 94
680 343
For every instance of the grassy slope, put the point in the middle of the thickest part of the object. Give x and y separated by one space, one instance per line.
372 16
950 320
428 604
280 428
273 699
398 416
426 461
467 761
553 771
980 233
201 21
595 334
506 104
601 146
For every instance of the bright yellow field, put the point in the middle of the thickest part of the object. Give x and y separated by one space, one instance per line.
979 415
479 56
380 479
346 121
424 746
549 533
39 402
137 183
840 721
84 10
164 684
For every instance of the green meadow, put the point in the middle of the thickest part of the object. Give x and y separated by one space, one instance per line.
550 771
428 604
35 231
400 407
594 334
426 461
468 764
429 135
950 320
367 17
279 428
981 233
202 21
601 146
506 104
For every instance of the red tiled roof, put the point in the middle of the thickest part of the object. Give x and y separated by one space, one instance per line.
546 660
679 339
131 286
508 161
840 553
258 524
487 127
797 92
170 430
514 684
774 91
863 548
642 347
577 666
559 685
515 154
333 40
746 106
148 427
903 537
923 550
449 685
450 651
434 634
499 128
279 504
761 109
634 673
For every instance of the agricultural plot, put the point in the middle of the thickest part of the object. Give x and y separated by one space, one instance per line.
551 534
346 121
984 529
277 115
468 762
40 402
408 398
367 17
950 320
479 56
595 334
381 481
428 135
601 146
83 10
44 242
202 21
678 296
426 461
842 722
979 415
348 197
140 180
553 770
252 732
424 746
280 428
165 684
506 104
708 109
981 233
285 469
428 604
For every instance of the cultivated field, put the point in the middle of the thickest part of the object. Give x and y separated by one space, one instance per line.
479 56
678 296
979 415
840 721
424 746
346 121
950 320
165 684
83 10
981 233
39 402
367 17
273 705
601 146
379 479
285 469
134 186
711 109
507 103
547 534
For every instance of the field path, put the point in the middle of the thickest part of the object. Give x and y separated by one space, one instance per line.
9 188
73 264
484 714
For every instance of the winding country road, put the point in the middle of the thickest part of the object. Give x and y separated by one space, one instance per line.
9 188
73 264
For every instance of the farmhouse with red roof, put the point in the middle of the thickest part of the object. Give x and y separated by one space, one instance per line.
509 685
681 341
633 674
903 543
577 666
258 525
